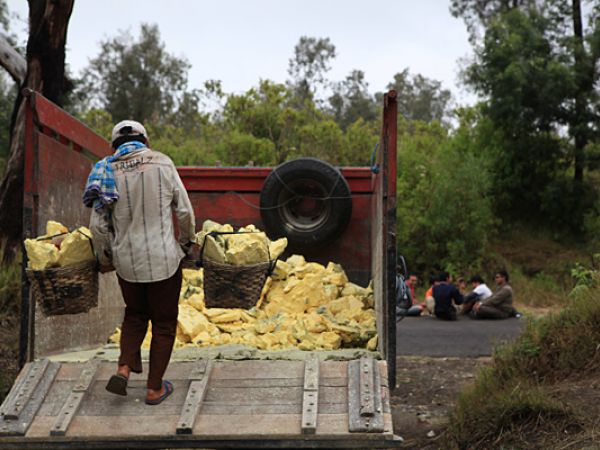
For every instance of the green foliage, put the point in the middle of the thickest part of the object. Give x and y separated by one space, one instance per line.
138 78
444 213
419 97
538 80
351 100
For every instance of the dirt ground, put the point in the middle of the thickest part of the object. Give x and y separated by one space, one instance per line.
427 388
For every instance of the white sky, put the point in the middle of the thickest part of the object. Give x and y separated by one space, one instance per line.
241 41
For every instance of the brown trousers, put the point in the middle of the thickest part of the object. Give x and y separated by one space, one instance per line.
158 303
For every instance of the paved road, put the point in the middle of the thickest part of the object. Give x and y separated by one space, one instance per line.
427 336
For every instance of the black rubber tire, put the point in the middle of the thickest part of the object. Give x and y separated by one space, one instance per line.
290 205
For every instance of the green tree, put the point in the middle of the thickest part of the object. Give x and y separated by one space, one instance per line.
444 211
307 69
536 69
351 100
419 97
139 78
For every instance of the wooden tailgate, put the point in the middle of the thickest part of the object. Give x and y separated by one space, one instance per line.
216 404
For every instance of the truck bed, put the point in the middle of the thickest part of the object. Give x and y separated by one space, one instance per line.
216 404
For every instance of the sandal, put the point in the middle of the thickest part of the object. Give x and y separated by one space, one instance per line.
168 391
117 384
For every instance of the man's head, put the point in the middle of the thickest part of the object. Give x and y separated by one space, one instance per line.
412 280
501 277
127 131
476 280
444 277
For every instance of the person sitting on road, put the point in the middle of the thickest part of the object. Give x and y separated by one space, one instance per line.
444 294
500 304
429 300
480 292
405 289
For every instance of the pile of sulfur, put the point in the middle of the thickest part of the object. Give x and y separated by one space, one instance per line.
303 305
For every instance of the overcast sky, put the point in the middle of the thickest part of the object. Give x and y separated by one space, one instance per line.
241 41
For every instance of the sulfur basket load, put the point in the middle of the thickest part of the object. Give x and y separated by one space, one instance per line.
62 270
236 263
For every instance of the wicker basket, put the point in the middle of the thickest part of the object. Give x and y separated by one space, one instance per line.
65 290
229 286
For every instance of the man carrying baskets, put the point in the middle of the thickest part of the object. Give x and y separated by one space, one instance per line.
133 195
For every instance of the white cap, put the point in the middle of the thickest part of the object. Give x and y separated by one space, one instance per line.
128 127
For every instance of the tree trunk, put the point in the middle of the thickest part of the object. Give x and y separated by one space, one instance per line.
48 21
12 61
579 124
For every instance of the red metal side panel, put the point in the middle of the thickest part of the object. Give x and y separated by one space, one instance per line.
56 169
51 117
251 179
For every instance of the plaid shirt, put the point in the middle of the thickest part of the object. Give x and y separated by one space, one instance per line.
136 233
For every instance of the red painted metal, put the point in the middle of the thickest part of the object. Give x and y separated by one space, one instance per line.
251 179
54 118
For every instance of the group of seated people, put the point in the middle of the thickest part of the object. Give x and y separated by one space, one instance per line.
446 300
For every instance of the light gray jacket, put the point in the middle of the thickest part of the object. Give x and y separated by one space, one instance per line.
137 236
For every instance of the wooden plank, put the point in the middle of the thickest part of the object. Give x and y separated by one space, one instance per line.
257 369
356 422
99 403
273 396
71 405
310 405
195 397
35 372
16 386
224 409
257 382
198 370
367 388
12 427
311 374
310 399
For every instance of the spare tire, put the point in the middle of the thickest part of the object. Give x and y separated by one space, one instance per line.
306 200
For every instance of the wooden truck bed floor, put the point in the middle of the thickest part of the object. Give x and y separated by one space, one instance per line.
216 404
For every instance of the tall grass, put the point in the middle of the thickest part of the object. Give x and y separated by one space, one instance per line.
511 397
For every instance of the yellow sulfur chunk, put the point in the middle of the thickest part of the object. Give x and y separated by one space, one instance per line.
245 250
354 289
76 247
53 228
115 338
344 303
230 315
310 268
203 337
190 321
296 261
276 248
281 271
232 327
193 277
265 326
372 344
196 301
41 254
214 251
328 340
